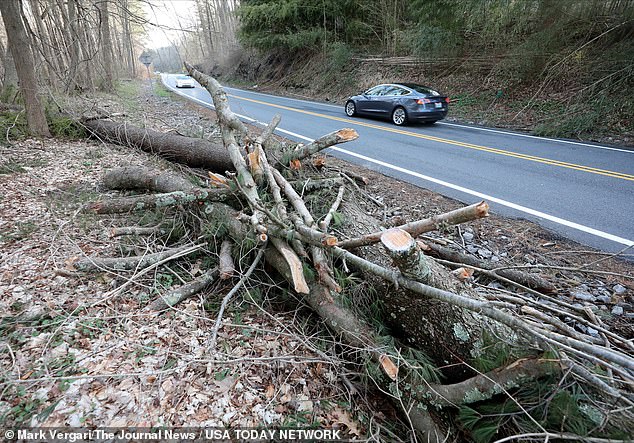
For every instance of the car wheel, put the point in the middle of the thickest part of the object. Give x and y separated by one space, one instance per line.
351 109
399 116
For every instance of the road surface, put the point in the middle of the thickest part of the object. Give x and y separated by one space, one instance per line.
582 191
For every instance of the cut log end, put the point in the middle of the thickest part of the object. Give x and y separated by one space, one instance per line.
347 134
482 209
398 241
329 240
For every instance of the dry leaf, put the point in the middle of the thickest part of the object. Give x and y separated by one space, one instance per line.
319 162
344 418
270 391
295 165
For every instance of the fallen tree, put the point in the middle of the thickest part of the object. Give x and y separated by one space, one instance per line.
447 346
194 152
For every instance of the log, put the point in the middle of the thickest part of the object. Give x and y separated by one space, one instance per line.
617 360
448 334
356 333
133 177
193 152
184 292
151 201
416 228
92 264
225 260
137 230
485 386
405 254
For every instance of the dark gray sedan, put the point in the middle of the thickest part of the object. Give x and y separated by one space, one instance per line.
402 103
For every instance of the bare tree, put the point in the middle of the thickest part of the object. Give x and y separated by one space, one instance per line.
25 67
106 43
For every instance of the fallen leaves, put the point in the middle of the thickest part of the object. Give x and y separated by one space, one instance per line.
146 368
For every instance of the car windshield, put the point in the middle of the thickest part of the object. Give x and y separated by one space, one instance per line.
183 77
420 88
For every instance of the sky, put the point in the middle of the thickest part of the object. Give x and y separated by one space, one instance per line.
175 14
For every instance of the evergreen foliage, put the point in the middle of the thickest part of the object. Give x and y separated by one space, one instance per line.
294 25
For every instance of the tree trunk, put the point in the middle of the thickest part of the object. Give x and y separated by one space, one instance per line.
194 152
106 45
23 58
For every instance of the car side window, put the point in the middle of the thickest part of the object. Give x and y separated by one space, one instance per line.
377 90
401 91
390 90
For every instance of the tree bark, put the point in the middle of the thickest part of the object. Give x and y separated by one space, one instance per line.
184 292
194 152
106 45
125 264
25 67
132 177
151 201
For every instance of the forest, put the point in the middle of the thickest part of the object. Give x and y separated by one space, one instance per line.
170 266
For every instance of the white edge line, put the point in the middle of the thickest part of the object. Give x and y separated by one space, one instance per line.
477 128
468 191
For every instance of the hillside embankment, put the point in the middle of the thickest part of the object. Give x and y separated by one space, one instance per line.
567 101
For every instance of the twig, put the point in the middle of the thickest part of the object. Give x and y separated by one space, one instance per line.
323 225
214 332
493 274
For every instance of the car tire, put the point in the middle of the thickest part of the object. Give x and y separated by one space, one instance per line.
351 109
399 116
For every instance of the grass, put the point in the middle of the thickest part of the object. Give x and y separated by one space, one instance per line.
20 231
13 126
160 90
11 167
128 92
65 127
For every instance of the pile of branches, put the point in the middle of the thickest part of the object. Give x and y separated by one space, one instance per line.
460 364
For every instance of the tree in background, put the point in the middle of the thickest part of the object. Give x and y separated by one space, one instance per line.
80 45
20 48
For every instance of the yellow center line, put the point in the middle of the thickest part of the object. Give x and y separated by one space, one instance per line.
532 158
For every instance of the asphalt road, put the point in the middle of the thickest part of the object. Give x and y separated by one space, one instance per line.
582 191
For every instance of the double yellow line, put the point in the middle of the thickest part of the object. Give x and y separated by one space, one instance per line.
527 157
